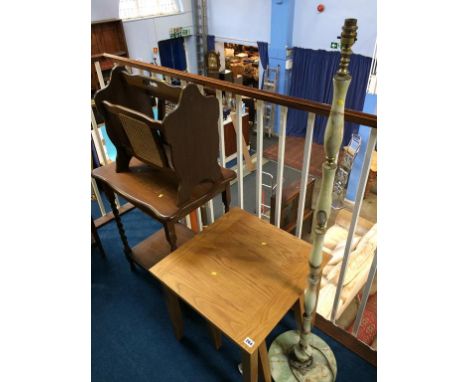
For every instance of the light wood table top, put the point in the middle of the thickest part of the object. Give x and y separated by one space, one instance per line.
241 273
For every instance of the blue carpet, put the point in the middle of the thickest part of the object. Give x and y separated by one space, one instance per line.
132 337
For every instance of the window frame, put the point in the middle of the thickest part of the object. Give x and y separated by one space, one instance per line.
179 4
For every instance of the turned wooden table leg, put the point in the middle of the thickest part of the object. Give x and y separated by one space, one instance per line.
169 230
127 249
175 313
226 196
265 372
216 335
96 238
250 366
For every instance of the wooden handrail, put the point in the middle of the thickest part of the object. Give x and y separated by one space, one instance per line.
98 56
278 99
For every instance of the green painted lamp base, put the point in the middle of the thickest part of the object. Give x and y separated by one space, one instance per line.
324 366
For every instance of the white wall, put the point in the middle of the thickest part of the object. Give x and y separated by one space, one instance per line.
240 20
248 21
316 30
143 34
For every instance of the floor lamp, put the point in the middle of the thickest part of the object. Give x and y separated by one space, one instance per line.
300 355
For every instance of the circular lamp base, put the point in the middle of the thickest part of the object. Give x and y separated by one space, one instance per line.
324 366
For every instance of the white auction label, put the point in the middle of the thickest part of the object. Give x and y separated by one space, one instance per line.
249 342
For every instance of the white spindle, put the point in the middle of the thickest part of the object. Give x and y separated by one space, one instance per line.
201 89
188 223
280 167
183 83
372 71
222 152
101 152
240 163
260 110
365 295
97 65
305 172
96 137
210 212
199 220
356 210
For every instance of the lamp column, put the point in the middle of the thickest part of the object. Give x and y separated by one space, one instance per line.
300 355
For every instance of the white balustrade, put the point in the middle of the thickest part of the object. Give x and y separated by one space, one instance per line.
259 174
280 166
355 216
305 172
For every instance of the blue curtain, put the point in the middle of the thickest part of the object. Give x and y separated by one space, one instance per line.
311 78
210 41
172 53
263 51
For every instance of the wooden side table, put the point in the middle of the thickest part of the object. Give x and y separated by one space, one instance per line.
155 193
290 206
372 180
243 275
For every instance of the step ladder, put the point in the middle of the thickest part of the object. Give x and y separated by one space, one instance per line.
270 84
268 189
201 32
343 171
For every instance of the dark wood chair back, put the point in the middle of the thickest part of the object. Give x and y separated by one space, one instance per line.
185 142
137 93
143 133
155 88
119 92
191 131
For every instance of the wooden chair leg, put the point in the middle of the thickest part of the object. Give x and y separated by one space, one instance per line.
265 372
226 196
175 313
299 311
169 230
250 366
216 335
309 224
96 238
127 249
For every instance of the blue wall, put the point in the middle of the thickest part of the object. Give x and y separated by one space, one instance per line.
370 106
282 18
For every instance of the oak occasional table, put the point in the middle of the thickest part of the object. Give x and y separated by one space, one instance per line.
243 275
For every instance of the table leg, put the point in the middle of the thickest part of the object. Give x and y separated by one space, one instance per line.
250 366
127 249
97 239
216 335
265 373
169 230
299 311
175 313
226 197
